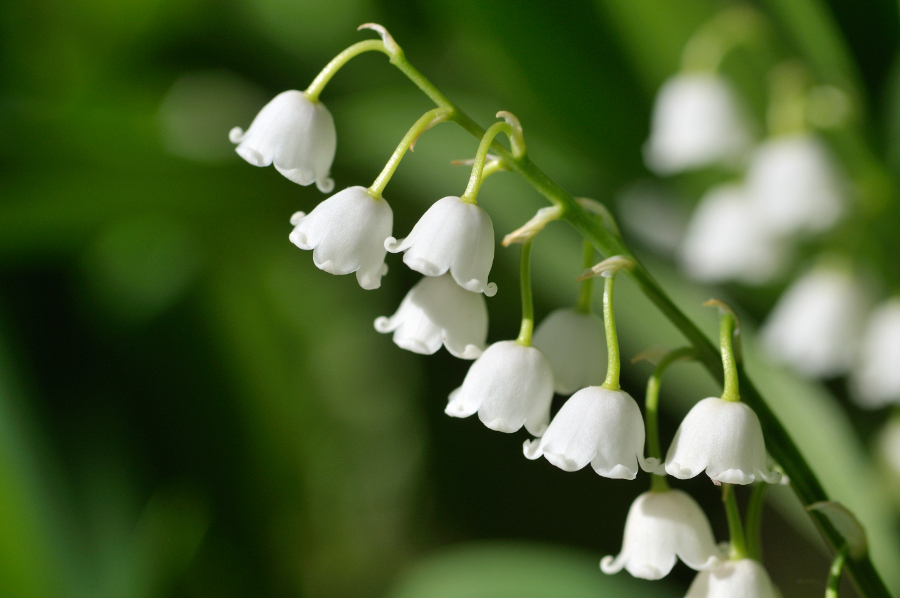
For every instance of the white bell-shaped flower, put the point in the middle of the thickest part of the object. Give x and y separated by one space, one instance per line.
437 310
508 386
599 426
574 344
727 240
816 324
455 236
696 122
660 527
876 375
724 439
794 183
744 578
296 134
346 233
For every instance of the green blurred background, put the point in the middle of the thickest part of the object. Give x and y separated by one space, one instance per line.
188 407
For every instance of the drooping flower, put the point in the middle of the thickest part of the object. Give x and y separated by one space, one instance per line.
816 324
294 133
599 426
696 122
346 233
727 240
724 439
744 578
509 386
660 527
437 310
793 181
876 375
455 236
573 343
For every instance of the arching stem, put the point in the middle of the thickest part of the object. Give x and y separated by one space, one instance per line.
612 340
658 483
471 194
834 575
318 84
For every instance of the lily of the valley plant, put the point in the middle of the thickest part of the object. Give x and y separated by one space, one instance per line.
732 439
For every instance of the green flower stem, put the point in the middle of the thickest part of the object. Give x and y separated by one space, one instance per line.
424 123
586 296
658 483
612 339
735 529
525 331
779 444
834 575
729 365
315 88
471 194
753 520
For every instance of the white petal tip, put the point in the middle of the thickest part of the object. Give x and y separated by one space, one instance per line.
296 217
499 425
532 449
235 135
677 471
383 325
325 185
610 566
391 244
470 352
491 289
299 239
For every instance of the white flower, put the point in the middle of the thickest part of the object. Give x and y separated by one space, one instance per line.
876 377
696 122
723 438
815 325
347 233
726 240
793 182
294 133
438 310
745 578
660 527
598 426
509 386
575 346
455 236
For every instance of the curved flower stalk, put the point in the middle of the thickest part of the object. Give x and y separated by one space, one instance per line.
816 324
794 184
696 122
876 377
509 386
453 235
572 341
660 528
743 578
294 133
724 439
346 233
437 310
727 240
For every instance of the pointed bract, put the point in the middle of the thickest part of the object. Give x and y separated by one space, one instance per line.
508 386
437 310
724 439
598 426
574 344
451 236
744 578
346 233
660 527
294 133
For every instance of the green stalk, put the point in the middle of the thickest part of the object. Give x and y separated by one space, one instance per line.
527 302
735 529
834 574
613 364
471 194
729 365
315 88
425 122
586 296
753 520
658 483
779 444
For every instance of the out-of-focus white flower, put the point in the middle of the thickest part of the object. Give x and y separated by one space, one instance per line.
794 183
744 578
294 133
727 240
653 215
575 346
346 233
724 439
816 324
660 527
435 311
455 236
599 426
876 376
508 386
696 122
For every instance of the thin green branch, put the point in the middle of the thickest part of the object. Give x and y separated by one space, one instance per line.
753 520
527 301
651 408
735 529
586 295
834 574
613 364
